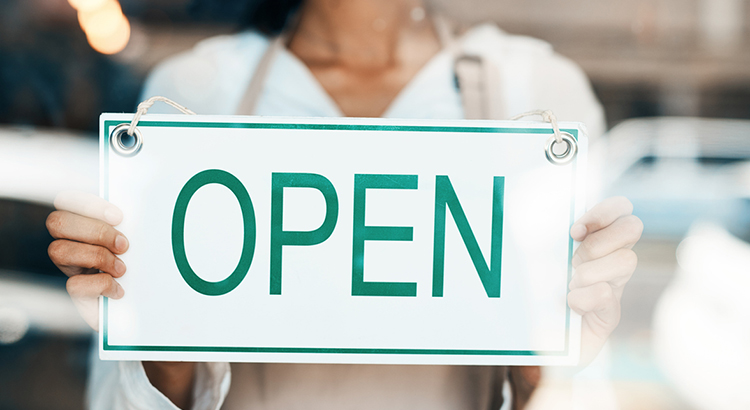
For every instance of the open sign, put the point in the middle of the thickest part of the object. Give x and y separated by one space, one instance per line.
342 240
445 198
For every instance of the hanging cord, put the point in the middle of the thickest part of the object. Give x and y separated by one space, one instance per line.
144 106
547 116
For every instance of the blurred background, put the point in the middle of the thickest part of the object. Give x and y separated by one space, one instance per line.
674 79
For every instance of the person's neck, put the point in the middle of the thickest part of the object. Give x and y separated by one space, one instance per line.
357 33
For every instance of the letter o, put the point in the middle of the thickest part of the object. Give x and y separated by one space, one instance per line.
213 176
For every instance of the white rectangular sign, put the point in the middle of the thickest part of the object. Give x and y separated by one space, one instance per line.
339 240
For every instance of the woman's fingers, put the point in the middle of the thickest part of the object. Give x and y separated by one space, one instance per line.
600 311
85 291
599 306
624 232
604 263
94 285
74 258
601 216
67 225
86 243
615 268
88 205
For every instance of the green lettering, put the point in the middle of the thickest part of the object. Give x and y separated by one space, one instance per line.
280 237
213 176
362 233
445 197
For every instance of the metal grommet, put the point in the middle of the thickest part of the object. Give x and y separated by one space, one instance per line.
124 144
571 149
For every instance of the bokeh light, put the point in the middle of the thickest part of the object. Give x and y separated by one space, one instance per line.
87 5
106 27
112 43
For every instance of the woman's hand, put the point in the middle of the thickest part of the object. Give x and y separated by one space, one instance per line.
85 248
603 264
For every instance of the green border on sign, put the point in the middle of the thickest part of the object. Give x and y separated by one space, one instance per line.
322 350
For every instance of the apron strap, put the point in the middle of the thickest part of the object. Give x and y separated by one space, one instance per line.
470 78
249 101
478 79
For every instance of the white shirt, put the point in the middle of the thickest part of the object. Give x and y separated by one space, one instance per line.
211 79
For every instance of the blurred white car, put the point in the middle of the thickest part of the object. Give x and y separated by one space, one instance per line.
689 181
675 171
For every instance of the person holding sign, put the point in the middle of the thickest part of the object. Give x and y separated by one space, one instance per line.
369 58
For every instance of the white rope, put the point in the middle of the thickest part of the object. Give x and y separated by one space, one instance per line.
144 106
547 116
